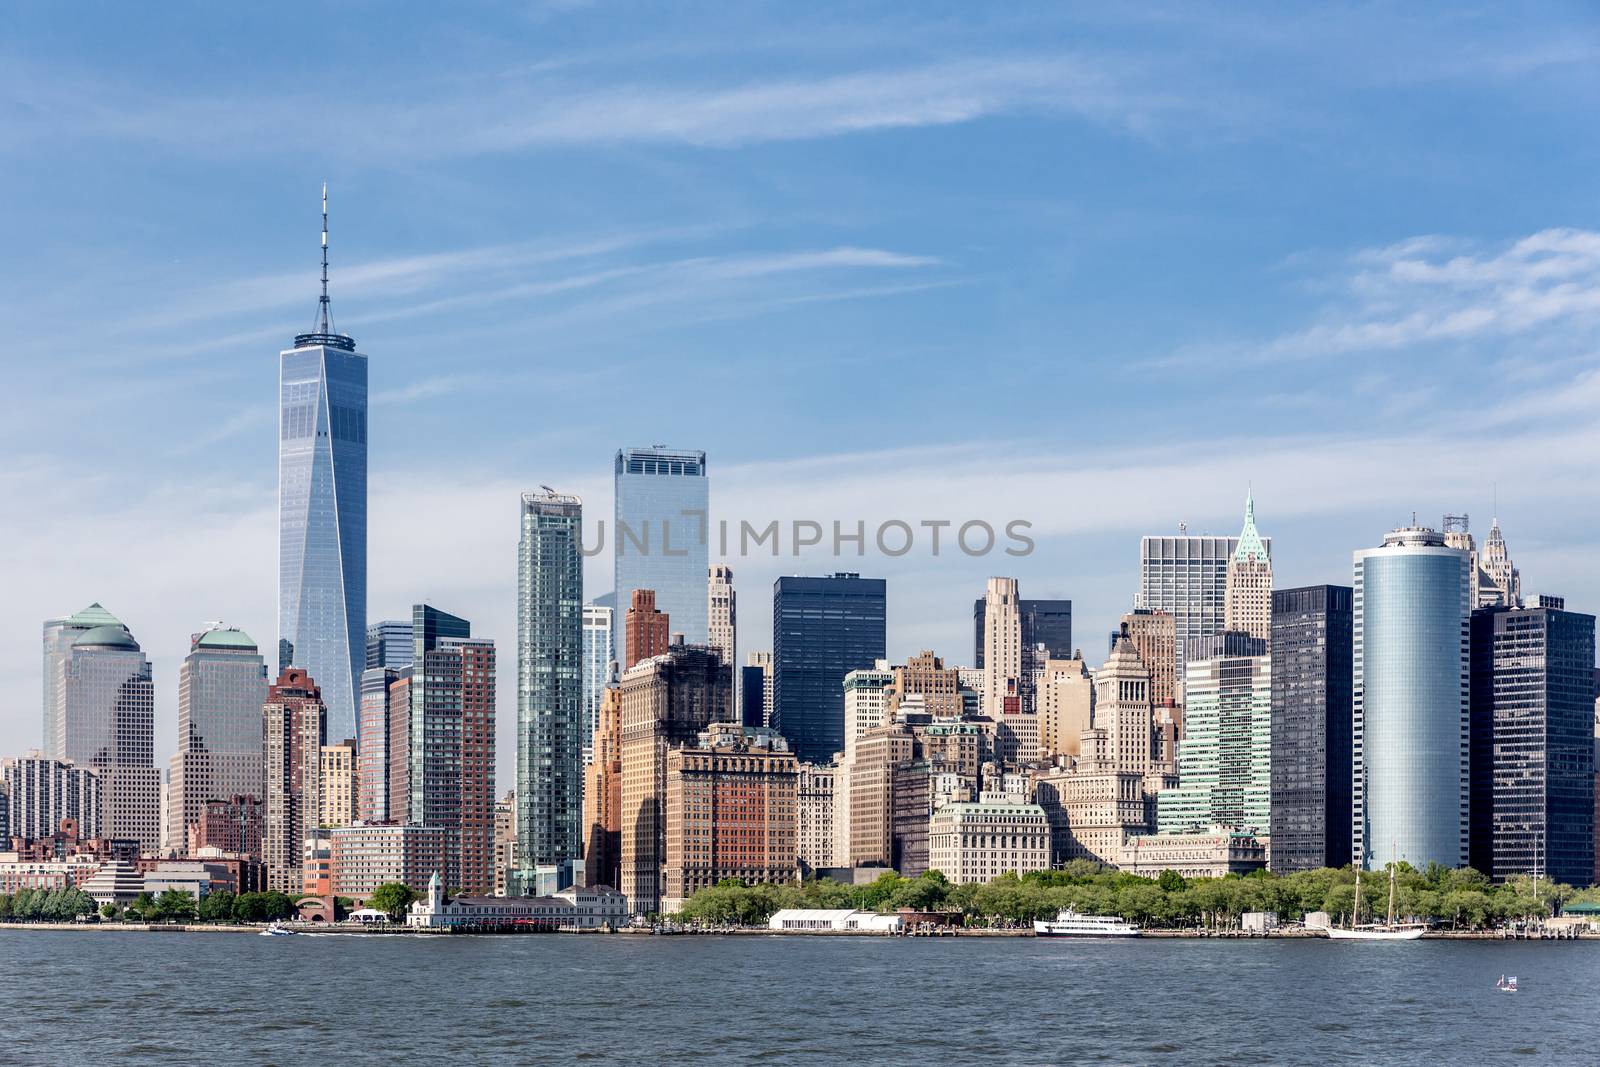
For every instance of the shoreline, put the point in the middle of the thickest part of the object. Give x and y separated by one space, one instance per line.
360 931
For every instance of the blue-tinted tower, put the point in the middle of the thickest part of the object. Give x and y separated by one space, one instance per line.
322 509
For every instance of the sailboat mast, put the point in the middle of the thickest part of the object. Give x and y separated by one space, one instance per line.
1355 913
1391 894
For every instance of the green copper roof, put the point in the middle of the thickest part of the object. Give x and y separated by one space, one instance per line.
1250 543
225 638
108 637
92 616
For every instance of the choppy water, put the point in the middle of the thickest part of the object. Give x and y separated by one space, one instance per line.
220 998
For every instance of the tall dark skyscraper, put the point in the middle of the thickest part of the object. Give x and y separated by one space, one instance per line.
322 509
1532 742
1311 717
822 628
1044 622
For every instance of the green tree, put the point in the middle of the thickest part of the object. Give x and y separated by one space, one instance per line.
278 905
108 911
5 905
393 898
175 904
1171 882
217 906
26 904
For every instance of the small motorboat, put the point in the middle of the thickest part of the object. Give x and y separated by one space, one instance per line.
275 930
1507 985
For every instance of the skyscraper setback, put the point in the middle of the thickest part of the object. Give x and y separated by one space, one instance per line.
552 729
1247 598
1187 577
661 539
322 509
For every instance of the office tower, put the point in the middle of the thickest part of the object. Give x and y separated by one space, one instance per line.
822 629
1312 630
505 842
975 842
1494 579
552 728
389 644
816 812
665 702
1532 761
923 684
1154 638
375 751
730 811
1225 758
758 689
58 637
336 791
452 742
722 622
105 721
1247 594
1410 721
865 700
1122 709
1187 577
598 655
1066 706
322 509
1042 622
40 792
221 685
1002 643
295 723
662 543
602 796
645 629
233 826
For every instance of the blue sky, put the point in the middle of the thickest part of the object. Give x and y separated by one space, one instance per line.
1098 270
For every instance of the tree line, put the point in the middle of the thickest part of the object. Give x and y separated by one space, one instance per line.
1462 899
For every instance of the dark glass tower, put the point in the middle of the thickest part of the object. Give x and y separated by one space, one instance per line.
822 628
1311 644
1044 622
1532 752
322 509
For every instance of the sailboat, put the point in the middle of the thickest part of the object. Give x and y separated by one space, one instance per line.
1388 931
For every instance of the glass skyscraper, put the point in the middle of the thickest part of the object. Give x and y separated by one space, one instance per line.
58 637
822 629
1532 686
662 536
1410 713
1224 759
1187 577
322 510
1311 650
389 644
552 729
598 626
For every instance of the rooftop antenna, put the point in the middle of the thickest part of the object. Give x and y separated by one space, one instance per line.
323 326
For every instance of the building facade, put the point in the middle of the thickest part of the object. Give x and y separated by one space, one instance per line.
322 510
730 812
390 643
599 623
234 826
816 809
59 634
822 628
366 856
1211 853
552 729
722 622
1066 706
602 797
336 793
644 627
1153 635
1409 740
221 686
1532 755
1001 656
663 503
376 751
105 721
1247 596
38 793
1187 577
1312 633
978 842
294 729
1225 757
665 702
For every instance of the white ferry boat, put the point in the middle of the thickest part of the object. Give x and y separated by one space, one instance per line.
1070 924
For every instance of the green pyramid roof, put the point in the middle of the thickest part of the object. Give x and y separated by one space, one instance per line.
92 616
225 638
1250 543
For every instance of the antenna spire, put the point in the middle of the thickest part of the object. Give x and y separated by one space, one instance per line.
322 305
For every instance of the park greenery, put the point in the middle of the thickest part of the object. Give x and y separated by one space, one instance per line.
1457 899
172 905
393 898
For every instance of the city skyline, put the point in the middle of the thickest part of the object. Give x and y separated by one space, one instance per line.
797 226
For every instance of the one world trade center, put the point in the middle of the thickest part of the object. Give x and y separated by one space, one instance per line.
322 509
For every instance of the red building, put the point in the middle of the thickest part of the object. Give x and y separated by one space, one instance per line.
644 628
234 826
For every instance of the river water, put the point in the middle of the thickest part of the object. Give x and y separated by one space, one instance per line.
114 997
